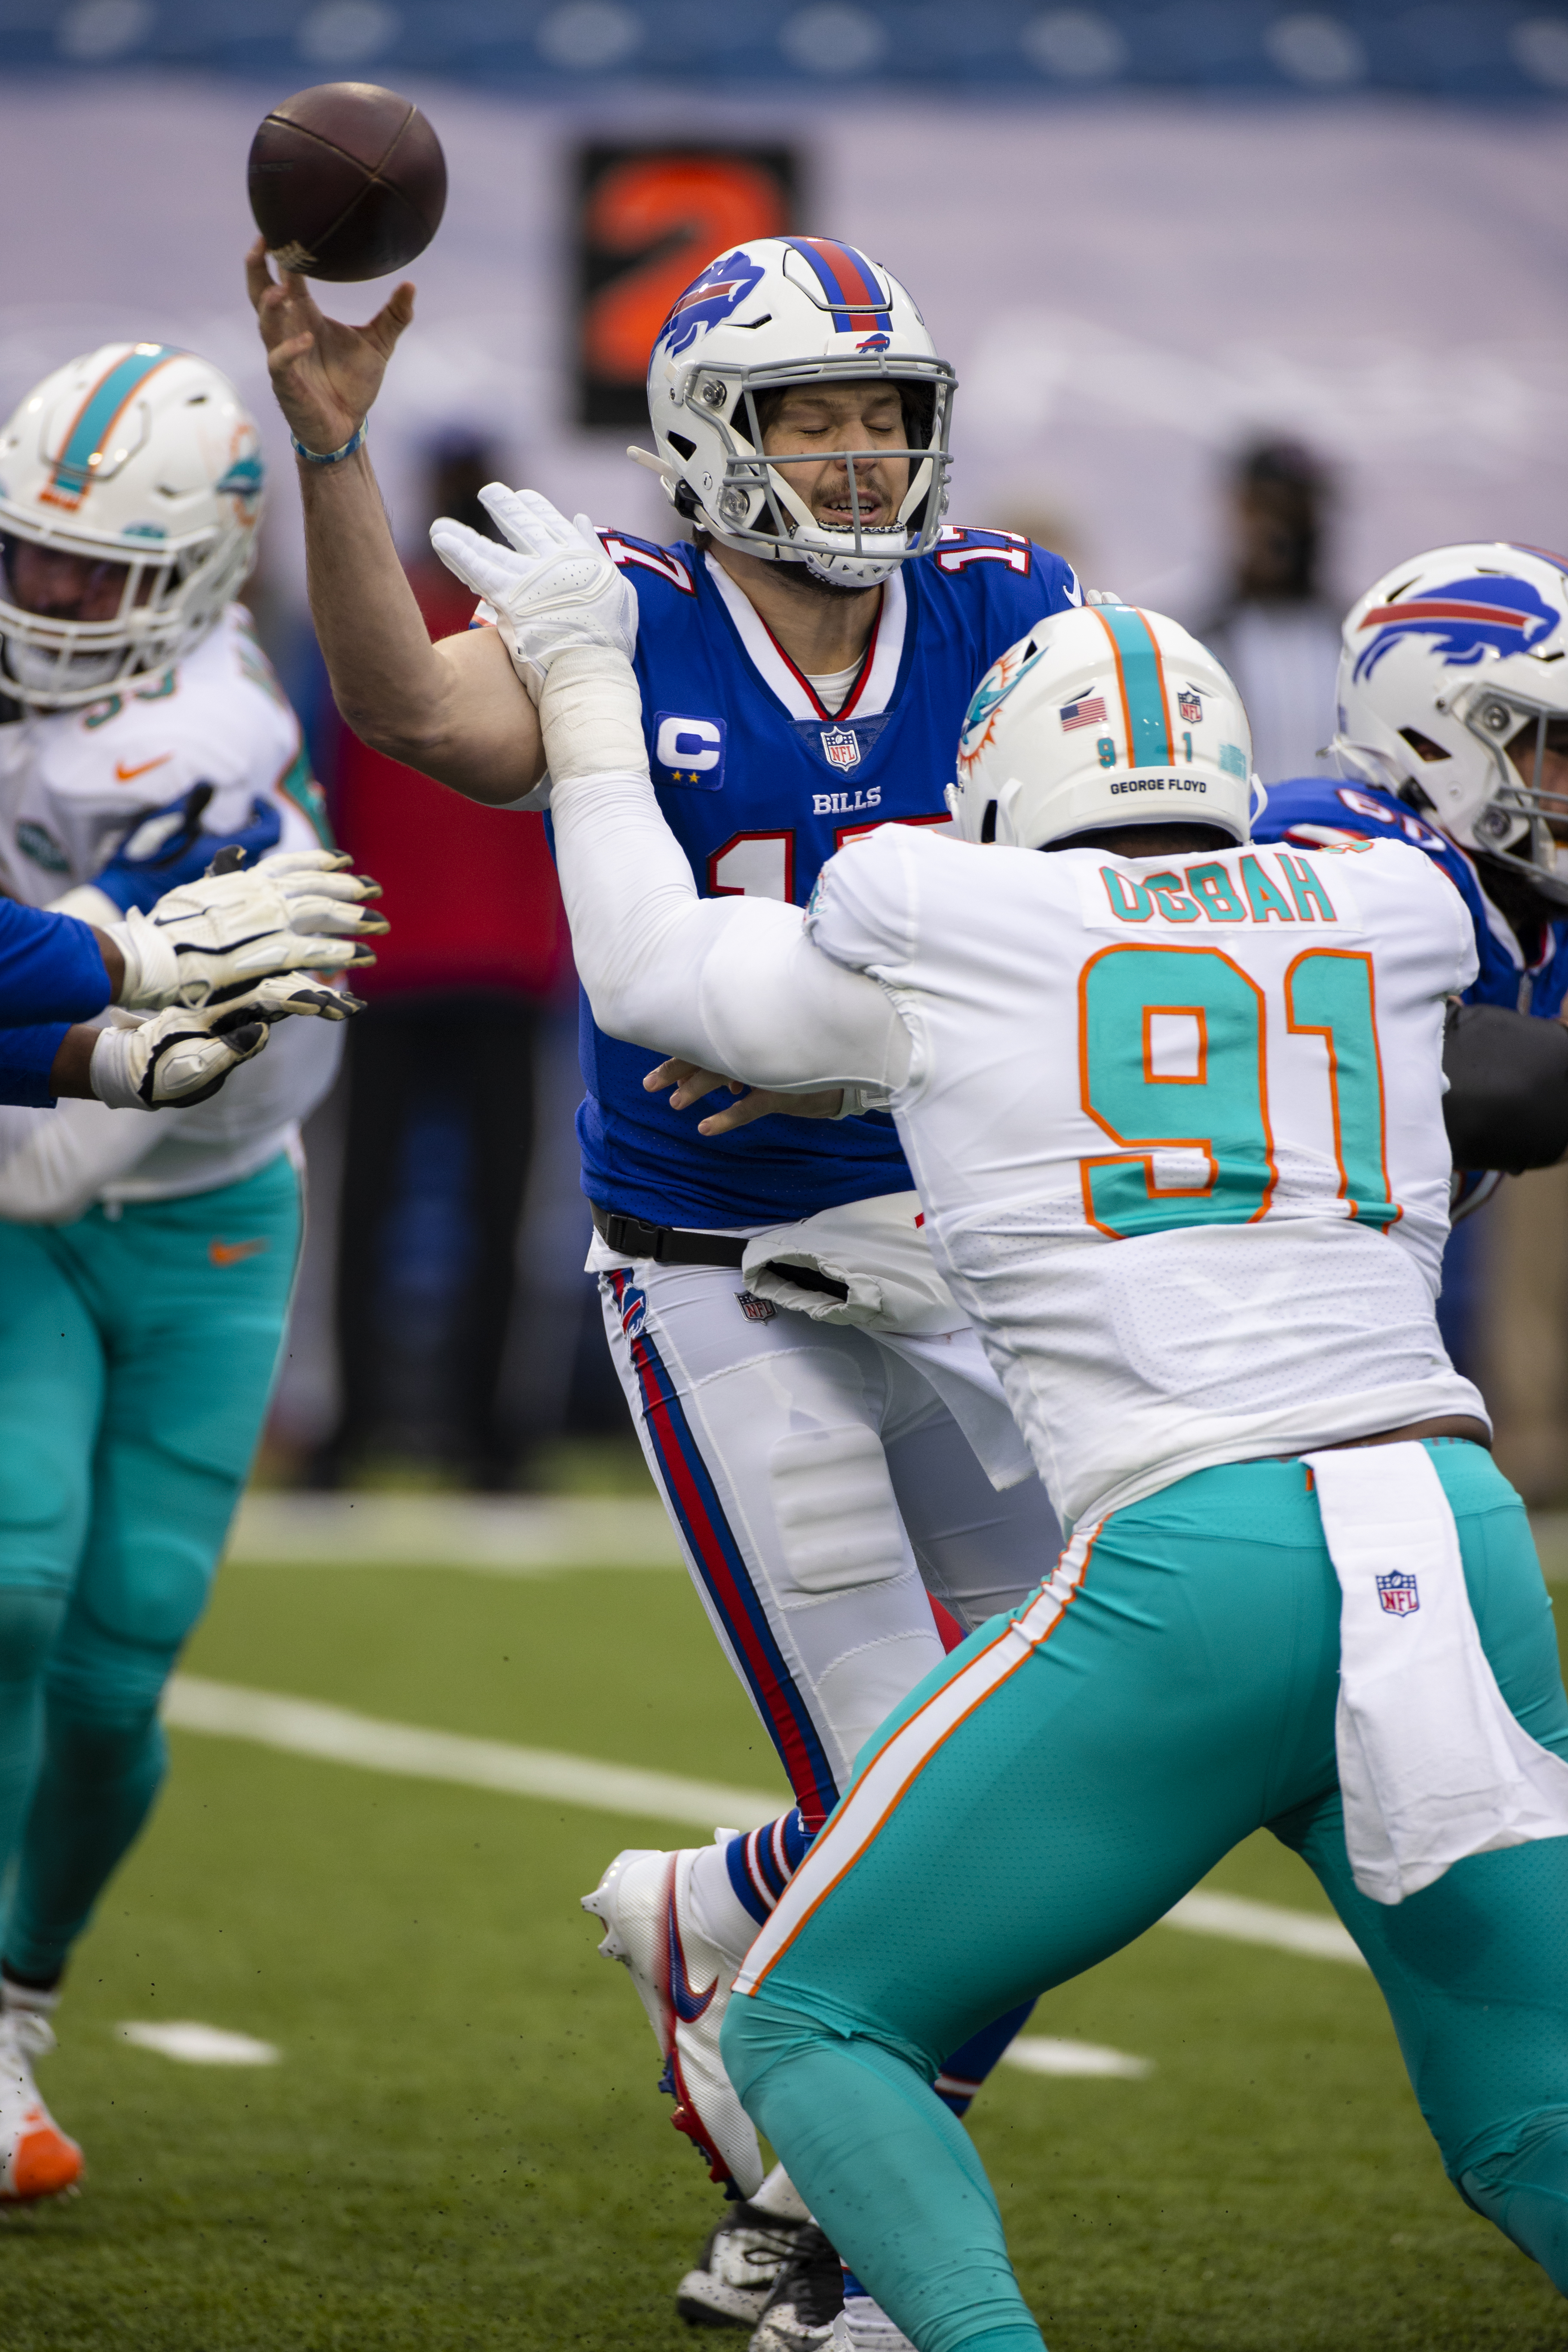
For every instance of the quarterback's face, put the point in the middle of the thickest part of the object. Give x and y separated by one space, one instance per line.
813 422
64 587
1552 780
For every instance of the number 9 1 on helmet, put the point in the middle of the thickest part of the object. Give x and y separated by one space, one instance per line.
130 492
1101 718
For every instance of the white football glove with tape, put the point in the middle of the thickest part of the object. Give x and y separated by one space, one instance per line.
209 942
177 1059
552 586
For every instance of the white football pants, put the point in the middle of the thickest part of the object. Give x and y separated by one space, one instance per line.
819 1487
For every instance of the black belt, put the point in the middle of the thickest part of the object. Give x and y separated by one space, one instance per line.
678 1245
666 1245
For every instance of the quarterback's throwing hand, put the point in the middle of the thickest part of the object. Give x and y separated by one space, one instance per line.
325 374
552 586
209 942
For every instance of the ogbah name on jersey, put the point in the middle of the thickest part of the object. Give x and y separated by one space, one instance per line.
1249 886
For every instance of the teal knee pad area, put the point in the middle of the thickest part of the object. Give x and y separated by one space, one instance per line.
892 2177
1525 2192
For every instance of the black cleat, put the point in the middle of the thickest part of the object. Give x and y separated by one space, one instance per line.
808 2297
737 2269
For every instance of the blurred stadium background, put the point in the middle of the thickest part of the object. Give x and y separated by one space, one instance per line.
1176 252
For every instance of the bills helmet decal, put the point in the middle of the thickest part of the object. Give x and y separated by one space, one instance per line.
1466 619
709 301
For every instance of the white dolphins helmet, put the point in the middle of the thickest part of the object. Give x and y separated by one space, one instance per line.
1446 660
1100 717
138 455
776 313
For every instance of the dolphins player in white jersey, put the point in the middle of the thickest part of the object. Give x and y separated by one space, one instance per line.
1174 1107
145 1264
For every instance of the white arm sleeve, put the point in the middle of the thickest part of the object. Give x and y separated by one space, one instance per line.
733 984
53 1168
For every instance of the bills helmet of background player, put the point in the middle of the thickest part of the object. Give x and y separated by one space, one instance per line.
775 314
141 461
1448 661
1101 718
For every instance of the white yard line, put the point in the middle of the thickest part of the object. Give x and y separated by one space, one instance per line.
1041 2053
302 1727
1264 1923
305 1728
507 1535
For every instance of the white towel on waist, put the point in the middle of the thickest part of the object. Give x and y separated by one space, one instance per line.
1432 1766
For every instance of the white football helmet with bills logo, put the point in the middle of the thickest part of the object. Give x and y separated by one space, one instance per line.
140 460
1098 719
1447 660
777 312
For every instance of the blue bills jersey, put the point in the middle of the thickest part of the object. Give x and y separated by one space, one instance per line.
1528 976
761 783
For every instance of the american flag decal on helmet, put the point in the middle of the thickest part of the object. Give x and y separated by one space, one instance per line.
1091 712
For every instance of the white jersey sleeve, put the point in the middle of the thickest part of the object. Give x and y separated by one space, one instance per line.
731 983
1178 1132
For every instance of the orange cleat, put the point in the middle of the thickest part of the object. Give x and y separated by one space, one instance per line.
37 2159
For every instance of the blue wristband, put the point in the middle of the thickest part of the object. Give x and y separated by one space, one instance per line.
332 457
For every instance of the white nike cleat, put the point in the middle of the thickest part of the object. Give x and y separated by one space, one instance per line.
864 2326
644 1900
37 2159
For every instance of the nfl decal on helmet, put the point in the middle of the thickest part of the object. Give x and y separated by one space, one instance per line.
1100 718
780 313
142 459
1453 676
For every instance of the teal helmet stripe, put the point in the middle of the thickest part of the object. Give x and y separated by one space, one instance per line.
73 475
1140 674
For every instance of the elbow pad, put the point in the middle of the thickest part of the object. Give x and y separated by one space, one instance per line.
1507 1104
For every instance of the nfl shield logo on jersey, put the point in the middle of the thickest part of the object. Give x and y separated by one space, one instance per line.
841 747
1400 1595
1189 702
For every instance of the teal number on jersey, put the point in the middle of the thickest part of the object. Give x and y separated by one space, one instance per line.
1328 993
1171 1046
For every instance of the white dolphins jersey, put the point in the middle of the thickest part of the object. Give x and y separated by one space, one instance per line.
73 784
1177 1127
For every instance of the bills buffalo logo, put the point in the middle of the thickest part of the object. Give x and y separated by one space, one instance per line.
1399 1594
1465 619
709 301
634 1311
841 747
1189 702
875 343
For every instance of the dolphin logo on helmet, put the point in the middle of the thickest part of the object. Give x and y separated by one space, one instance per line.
1466 619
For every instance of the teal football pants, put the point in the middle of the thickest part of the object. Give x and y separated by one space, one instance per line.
1028 1810
136 1355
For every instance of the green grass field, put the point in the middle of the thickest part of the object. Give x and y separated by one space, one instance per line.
462 2147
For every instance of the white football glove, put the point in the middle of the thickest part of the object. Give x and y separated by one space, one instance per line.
209 942
553 586
177 1059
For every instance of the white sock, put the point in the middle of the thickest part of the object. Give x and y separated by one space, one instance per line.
779 2196
718 1912
14 1996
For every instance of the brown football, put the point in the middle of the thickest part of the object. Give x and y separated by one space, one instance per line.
346 181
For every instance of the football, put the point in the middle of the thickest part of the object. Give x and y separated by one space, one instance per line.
346 181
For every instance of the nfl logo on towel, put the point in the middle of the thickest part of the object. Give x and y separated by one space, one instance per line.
1400 1595
841 747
